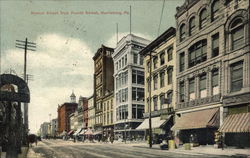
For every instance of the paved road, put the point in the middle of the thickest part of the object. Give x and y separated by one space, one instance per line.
67 149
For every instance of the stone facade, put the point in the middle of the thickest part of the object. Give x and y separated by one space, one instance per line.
107 108
129 82
91 113
212 54
163 82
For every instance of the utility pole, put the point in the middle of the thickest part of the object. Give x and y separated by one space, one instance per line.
26 46
150 99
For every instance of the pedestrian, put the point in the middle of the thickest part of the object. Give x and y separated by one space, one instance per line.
222 141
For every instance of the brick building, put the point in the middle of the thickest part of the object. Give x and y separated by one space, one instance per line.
103 80
64 111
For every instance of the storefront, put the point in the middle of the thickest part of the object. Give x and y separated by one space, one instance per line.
160 127
197 126
236 124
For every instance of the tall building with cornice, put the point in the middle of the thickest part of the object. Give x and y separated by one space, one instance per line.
103 82
129 86
213 68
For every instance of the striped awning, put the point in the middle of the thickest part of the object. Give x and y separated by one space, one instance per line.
208 118
236 123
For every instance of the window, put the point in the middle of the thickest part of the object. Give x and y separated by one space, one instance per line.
135 58
182 95
215 45
182 32
191 89
148 83
162 98
123 62
191 26
236 76
215 82
137 94
162 74
170 54
141 59
137 111
237 33
170 97
155 62
126 59
197 53
215 9
162 58
170 76
133 76
148 66
182 62
155 81
155 103
119 64
203 86
203 18
137 77
122 112
116 65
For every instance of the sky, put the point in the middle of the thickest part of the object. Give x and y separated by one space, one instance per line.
67 34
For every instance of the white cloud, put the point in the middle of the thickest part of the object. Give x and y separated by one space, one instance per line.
60 64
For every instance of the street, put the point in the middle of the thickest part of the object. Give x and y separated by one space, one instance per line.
68 149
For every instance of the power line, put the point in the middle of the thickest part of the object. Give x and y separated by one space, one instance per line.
161 17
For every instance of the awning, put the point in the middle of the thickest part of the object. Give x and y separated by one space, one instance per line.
97 132
198 119
63 133
77 131
82 132
236 123
89 132
156 123
70 132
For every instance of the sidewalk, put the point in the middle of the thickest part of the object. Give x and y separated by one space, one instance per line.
206 149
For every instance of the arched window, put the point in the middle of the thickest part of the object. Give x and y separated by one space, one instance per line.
197 53
191 25
237 33
203 18
215 10
182 32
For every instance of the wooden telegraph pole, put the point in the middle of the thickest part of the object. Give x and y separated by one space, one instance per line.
26 46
